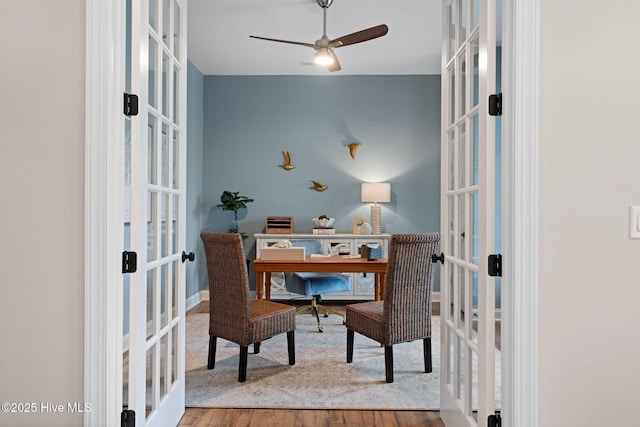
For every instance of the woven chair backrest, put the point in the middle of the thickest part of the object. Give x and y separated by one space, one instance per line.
408 293
228 284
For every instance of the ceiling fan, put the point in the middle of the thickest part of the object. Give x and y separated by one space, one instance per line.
324 46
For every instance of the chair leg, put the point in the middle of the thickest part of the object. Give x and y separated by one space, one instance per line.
291 347
211 362
242 369
304 309
426 346
319 307
314 310
350 335
327 310
388 362
256 347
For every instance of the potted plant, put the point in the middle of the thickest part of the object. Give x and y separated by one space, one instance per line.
233 201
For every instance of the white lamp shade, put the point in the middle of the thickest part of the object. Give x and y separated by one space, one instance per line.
376 192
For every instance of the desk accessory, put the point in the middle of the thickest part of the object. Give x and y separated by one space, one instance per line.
283 251
279 225
371 253
324 225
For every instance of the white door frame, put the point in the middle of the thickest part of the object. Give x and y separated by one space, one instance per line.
520 79
104 206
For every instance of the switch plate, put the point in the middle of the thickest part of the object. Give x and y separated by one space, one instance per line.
634 222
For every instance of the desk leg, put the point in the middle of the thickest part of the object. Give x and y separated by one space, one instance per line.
267 285
379 286
260 285
383 281
376 287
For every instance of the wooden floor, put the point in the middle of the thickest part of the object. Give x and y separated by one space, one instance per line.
208 417
201 417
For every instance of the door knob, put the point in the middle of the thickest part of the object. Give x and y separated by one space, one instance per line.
188 256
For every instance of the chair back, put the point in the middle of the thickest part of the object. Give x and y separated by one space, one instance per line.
311 246
408 293
228 285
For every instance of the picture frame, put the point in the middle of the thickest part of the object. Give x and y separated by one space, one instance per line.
357 224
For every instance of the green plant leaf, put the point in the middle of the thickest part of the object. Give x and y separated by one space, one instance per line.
233 201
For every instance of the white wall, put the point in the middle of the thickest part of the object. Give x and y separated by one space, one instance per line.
589 175
42 207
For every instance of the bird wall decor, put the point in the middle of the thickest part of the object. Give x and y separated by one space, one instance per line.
353 148
319 187
287 161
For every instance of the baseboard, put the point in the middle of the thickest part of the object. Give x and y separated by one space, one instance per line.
435 296
196 299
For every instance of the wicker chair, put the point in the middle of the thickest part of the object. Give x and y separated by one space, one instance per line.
405 313
232 316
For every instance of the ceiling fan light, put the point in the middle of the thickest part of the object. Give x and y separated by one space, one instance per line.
323 57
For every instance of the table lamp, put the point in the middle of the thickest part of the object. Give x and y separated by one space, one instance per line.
376 192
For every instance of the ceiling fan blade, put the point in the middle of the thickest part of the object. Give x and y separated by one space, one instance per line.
360 36
285 41
335 65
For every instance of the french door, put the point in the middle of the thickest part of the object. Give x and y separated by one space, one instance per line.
155 178
467 382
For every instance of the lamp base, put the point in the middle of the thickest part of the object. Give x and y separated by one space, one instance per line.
376 219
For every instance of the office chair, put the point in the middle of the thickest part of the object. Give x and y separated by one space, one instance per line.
316 284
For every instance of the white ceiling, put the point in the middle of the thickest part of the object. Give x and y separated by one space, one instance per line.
219 43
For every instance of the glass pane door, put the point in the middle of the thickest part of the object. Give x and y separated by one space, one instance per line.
154 323
467 389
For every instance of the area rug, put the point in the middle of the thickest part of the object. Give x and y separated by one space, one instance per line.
320 379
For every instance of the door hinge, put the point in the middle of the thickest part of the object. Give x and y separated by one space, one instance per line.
495 265
129 262
495 104
128 418
130 104
494 421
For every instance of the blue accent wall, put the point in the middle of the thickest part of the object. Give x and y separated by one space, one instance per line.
250 120
195 271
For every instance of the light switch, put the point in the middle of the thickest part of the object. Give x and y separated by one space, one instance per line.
634 222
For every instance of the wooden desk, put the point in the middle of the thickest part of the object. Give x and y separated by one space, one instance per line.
333 264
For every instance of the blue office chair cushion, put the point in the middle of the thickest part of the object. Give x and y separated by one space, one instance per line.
311 246
317 283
